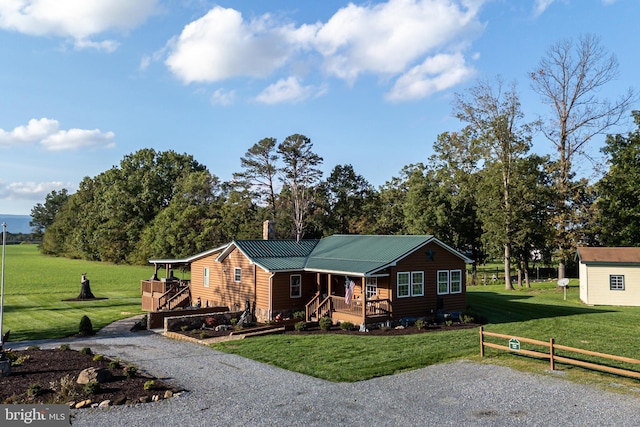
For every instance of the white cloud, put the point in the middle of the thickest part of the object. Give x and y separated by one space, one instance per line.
222 97
31 190
540 6
435 74
77 20
221 45
288 90
47 132
386 39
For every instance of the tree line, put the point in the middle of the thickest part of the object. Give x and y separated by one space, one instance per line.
483 191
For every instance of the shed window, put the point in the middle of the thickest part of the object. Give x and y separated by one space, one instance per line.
205 274
237 274
371 287
295 286
616 282
403 285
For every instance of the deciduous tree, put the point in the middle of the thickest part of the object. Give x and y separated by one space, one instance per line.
569 79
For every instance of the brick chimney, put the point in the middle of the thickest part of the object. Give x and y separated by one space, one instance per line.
268 230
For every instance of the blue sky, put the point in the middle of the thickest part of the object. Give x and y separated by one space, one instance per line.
82 84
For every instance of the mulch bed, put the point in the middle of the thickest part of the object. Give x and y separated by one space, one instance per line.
315 329
47 367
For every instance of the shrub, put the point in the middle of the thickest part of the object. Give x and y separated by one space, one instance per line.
98 358
86 328
299 314
64 347
150 385
420 324
300 326
448 322
233 321
346 326
114 364
184 328
92 387
325 323
34 390
33 347
130 371
86 350
466 318
211 322
203 335
65 389
18 361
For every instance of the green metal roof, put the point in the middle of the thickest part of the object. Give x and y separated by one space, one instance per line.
277 255
350 254
362 254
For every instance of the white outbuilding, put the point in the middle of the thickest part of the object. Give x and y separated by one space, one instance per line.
609 276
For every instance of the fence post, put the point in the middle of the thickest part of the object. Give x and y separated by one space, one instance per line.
551 360
481 343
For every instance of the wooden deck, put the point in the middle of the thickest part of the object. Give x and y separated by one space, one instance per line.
164 294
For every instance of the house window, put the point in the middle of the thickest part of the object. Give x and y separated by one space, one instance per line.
295 286
237 274
371 287
456 281
616 282
205 274
410 284
417 283
403 285
443 282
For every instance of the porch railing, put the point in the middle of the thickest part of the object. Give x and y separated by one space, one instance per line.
316 308
175 295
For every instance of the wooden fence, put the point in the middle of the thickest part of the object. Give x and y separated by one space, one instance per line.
514 346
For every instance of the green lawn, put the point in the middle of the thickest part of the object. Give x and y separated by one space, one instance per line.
36 285
540 313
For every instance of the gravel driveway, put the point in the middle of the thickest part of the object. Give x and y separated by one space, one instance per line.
228 390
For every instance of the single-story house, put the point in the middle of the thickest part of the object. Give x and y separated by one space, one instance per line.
609 276
357 278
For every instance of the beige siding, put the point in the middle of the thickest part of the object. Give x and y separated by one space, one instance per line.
584 283
223 290
281 294
598 292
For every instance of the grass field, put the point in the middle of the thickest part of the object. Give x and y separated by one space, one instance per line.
36 285
539 312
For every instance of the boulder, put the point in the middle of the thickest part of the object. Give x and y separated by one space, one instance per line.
104 404
100 375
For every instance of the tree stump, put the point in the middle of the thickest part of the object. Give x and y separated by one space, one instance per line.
85 289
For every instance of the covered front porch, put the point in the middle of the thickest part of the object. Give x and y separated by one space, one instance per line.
365 300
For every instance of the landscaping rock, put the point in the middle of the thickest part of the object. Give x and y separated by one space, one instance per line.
168 394
104 404
99 375
83 404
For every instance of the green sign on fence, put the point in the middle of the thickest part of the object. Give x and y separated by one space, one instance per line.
514 344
